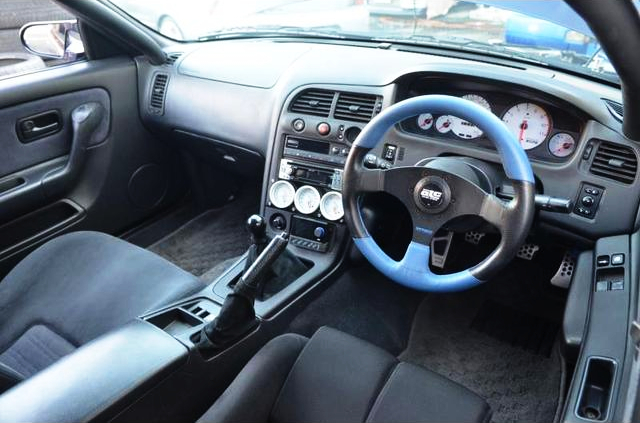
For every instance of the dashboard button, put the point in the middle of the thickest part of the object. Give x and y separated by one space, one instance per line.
319 232
323 128
298 125
602 261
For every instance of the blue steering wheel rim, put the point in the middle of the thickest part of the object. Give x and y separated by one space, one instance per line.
413 270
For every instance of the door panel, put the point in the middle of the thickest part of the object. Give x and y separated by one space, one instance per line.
123 176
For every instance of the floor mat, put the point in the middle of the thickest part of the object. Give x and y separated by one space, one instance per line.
518 384
210 239
363 303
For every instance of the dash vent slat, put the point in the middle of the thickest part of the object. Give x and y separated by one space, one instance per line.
616 162
356 107
313 102
158 92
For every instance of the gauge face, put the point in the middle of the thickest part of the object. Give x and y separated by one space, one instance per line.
562 145
281 194
331 206
307 199
425 121
529 123
468 130
443 124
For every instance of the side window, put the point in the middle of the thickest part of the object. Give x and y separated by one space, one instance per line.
49 36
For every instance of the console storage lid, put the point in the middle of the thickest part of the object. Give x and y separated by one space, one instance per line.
98 380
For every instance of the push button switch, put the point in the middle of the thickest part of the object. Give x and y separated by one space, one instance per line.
602 286
603 261
617 259
617 285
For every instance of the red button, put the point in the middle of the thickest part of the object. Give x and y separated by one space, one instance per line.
324 128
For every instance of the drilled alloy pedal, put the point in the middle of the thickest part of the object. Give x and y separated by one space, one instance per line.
473 237
528 251
562 278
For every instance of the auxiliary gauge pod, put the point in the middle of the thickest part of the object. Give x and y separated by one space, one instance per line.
237 316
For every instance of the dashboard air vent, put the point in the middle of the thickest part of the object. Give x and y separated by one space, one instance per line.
617 162
616 109
158 91
313 102
172 58
356 107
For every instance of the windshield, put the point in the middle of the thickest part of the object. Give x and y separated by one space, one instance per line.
546 32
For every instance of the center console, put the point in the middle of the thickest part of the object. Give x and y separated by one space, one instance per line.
303 190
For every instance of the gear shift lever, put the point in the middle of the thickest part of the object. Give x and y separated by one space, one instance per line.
237 316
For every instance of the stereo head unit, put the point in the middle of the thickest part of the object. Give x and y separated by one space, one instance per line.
310 174
323 151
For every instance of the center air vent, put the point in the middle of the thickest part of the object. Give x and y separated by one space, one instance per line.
313 102
615 162
356 107
158 91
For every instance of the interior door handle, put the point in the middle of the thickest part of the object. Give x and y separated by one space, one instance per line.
85 120
38 126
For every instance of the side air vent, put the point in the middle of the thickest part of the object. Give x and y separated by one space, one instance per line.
313 102
172 58
616 109
356 107
617 162
158 92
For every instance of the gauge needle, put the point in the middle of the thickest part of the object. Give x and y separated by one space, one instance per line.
445 125
427 122
523 130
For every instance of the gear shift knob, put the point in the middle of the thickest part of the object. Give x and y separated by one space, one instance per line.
257 226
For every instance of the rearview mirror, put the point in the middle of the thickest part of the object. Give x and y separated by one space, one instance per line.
53 40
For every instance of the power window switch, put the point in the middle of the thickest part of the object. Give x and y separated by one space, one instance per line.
602 261
617 259
602 286
617 285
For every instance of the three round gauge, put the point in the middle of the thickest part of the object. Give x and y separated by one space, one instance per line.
530 124
306 200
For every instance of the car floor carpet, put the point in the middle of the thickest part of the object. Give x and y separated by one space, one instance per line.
464 337
204 244
363 303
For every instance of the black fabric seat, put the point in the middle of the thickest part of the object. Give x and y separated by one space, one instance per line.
74 289
334 377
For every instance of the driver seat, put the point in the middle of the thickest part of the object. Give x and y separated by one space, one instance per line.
334 377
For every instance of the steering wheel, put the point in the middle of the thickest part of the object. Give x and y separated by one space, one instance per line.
435 196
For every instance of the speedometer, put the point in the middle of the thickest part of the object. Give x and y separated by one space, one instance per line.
468 130
530 124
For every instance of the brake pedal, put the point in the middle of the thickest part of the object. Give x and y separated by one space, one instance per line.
440 246
473 237
562 278
528 251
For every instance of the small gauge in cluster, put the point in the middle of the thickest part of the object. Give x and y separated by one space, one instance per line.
562 145
282 194
331 206
444 123
307 199
425 121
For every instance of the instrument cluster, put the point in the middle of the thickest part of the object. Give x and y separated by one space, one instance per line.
544 130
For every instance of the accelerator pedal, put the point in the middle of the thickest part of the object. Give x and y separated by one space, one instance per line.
440 246
562 278
528 251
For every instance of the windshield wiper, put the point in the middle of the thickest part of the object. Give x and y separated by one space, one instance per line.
279 31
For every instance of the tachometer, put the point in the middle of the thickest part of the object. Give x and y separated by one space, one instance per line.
468 130
425 121
562 145
281 194
307 199
530 124
331 206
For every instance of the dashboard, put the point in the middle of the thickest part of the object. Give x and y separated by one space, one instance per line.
300 114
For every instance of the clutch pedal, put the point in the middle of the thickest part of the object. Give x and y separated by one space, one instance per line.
528 251
440 246
562 278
